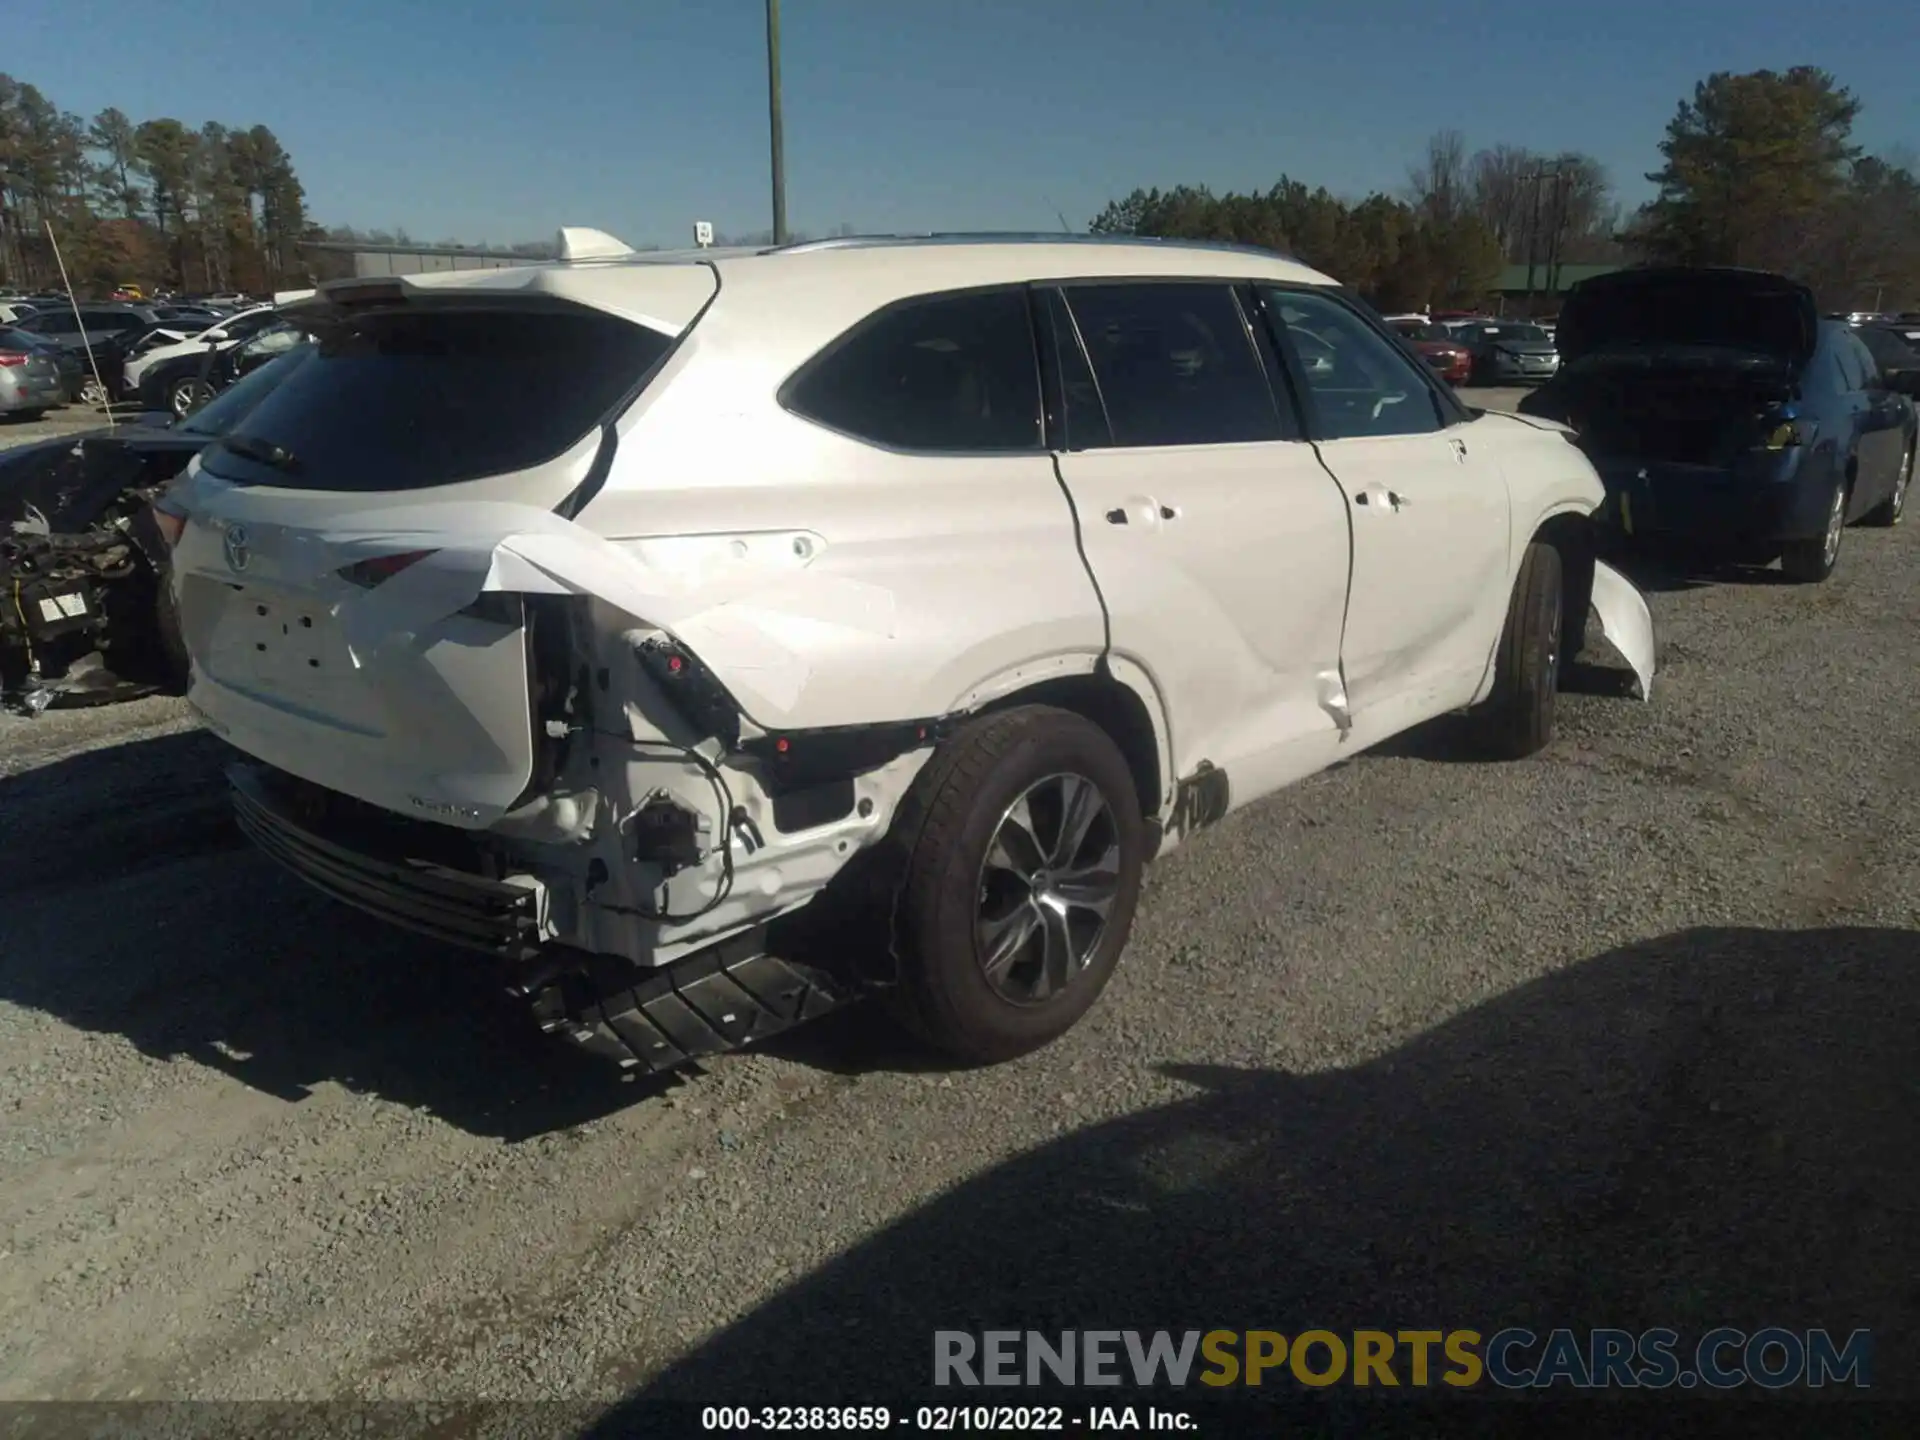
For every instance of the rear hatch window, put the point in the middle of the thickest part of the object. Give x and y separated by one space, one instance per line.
410 398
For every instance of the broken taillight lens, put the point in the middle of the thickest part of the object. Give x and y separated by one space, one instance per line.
369 573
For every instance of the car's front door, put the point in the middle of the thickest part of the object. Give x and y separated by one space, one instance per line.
1430 514
1219 542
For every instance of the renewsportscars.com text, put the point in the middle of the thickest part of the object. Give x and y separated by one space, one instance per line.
1771 1358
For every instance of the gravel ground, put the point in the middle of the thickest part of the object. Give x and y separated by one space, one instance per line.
55 423
1617 1036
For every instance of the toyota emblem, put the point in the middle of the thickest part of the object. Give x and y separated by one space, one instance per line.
236 547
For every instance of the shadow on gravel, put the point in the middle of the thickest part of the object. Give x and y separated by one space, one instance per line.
1718 1127
1667 570
1451 739
134 907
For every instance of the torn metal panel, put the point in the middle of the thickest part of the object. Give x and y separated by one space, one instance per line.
1626 622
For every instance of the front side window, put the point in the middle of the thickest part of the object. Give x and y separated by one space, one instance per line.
945 373
1175 364
1361 385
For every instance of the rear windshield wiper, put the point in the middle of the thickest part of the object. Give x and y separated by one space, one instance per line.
249 447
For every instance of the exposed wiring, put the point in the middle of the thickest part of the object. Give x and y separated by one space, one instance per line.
725 795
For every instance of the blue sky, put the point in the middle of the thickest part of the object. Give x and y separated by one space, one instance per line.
485 120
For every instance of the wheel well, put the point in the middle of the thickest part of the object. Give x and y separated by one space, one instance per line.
1116 710
1572 536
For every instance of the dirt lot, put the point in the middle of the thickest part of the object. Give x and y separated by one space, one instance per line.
1619 1036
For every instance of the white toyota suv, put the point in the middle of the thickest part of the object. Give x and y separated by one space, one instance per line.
670 625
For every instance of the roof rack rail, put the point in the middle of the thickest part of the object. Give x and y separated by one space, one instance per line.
1016 237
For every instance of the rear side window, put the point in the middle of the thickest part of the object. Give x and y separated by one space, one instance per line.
1848 352
408 399
1865 363
1175 364
954 373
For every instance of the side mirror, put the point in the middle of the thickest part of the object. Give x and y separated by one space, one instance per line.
1906 382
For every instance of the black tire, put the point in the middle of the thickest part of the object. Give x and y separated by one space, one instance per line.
1809 562
1517 719
26 417
1889 511
948 822
184 396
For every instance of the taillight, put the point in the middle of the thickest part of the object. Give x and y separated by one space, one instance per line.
382 567
14 357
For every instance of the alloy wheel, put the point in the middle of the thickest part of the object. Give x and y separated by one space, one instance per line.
1049 881
1836 524
189 396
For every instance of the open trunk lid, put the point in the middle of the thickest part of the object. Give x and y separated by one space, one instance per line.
1659 317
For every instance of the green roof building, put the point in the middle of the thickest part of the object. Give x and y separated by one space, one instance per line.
1559 280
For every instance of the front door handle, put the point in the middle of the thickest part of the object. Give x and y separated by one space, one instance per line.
1381 500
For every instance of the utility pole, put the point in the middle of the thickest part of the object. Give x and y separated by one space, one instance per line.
1536 179
773 115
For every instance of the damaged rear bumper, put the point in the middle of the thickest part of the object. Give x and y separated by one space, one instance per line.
718 998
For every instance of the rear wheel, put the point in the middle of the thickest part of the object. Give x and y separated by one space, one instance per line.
1517 719
93 393
1812 561
1890 510
1024 870
27 415
188 395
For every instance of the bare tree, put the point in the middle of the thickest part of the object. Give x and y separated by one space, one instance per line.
1437 186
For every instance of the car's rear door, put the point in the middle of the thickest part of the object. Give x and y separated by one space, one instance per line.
1430 513
1219 542
1883 438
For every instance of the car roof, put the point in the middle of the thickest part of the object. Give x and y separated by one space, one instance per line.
845 275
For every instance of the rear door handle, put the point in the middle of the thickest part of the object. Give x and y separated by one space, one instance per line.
1150 511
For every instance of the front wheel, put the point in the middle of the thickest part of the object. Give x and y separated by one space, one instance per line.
1811 561
1023 873
1889 511
1517 719
93 393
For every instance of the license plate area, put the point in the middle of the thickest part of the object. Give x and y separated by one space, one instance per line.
286 646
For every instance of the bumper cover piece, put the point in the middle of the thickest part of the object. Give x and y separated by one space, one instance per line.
727 996
501 917
1627 623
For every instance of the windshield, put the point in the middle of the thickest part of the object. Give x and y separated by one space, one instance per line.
236 402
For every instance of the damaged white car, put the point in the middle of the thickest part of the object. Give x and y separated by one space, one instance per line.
657 622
